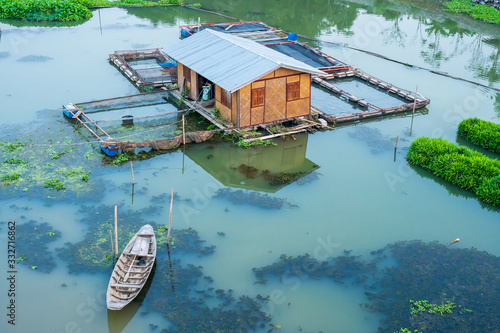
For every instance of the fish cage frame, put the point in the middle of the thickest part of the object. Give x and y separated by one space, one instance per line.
121 60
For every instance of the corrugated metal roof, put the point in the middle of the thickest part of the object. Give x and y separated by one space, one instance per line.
229 61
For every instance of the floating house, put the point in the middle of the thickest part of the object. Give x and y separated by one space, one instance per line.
251 84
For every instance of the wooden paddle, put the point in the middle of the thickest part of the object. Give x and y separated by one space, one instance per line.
129 269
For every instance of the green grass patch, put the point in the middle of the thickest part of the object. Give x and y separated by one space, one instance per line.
480 12
64 10
460 166
481 132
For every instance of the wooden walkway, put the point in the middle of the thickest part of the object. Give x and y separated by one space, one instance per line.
207 114
417 100
74 112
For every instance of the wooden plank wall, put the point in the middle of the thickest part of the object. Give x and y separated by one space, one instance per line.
275 106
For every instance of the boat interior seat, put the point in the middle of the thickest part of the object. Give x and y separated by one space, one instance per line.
141 246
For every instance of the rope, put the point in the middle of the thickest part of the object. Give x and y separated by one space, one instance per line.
368 52
85 143
399 62
211 12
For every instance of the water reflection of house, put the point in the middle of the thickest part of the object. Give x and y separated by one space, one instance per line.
253 83
228 164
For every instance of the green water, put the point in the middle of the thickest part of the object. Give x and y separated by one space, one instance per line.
356 197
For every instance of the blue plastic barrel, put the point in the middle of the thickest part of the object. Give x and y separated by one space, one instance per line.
110 151
292 37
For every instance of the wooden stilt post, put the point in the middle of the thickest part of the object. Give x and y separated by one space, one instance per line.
170 217
183 132
413 113
415 101
132 170
116 230
396 147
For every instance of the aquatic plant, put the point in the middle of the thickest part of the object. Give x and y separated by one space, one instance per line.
147 88
8 178
21 258
32 242
481 132
181 294
276 129
240 197
438 273
460 166
120 159
478 11
336 268
89 154
10 147
248 145
212 127
248 170
424 306
283 177
15 160
64 10
55 184
89 255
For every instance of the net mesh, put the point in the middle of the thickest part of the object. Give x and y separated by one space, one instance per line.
161 144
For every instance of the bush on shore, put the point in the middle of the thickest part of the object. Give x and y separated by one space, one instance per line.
478 11
64 10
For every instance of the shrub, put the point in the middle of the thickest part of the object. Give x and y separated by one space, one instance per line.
481 132
458 165
478 11
64 10
44 10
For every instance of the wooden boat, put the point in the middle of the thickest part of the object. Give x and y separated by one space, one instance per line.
132 269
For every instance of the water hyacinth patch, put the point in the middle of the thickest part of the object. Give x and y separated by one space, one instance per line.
64 10
478 11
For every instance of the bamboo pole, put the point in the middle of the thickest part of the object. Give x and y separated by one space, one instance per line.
396 147
415 101
310 121
132 170
183 132
111 237
116 230
170 217
413 113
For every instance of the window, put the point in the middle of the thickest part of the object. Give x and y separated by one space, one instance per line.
258 96
225 98
186 71
292 91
